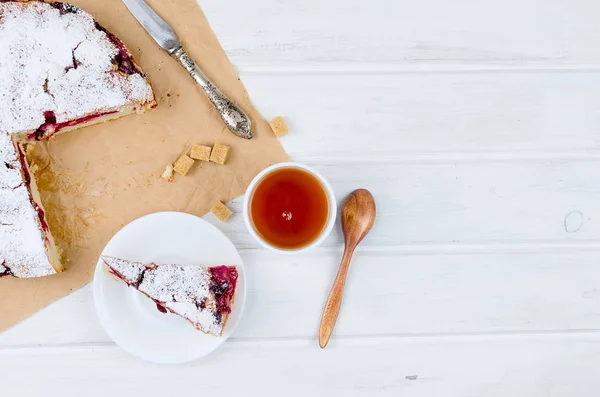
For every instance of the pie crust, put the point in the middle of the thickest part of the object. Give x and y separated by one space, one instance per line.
61 71
202 295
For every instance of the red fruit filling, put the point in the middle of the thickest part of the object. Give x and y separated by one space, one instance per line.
223 283
114 273
52 127
224 279
64 8
122 59
42 218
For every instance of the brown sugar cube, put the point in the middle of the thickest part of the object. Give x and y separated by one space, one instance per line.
219 153
167 174
200 152
183 165
221 211
279 126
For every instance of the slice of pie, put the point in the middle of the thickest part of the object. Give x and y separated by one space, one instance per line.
59 70
202 295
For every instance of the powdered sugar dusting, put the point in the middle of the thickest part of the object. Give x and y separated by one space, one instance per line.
175 283
61 62
128 270
10 176
54 60
184 290
203 320
21 241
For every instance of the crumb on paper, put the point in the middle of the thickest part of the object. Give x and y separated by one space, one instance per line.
279 126
183 165
219 153
200 152
221 211
167 174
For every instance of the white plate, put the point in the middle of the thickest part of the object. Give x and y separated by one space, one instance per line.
131 319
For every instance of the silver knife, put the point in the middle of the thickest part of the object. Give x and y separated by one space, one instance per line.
233 117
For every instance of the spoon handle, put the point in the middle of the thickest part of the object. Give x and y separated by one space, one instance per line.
334 301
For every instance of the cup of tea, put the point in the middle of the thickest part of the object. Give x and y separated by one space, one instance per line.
289 208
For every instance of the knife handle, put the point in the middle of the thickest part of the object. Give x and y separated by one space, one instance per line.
233 117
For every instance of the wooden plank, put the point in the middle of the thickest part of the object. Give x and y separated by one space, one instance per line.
386 294
528 216
423 205
535 366
299 32
447 116
488 219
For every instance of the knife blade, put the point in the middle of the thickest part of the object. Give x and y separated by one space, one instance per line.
232 115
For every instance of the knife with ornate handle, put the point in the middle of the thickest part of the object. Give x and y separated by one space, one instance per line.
233 117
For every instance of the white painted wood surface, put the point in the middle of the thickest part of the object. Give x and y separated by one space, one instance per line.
477 127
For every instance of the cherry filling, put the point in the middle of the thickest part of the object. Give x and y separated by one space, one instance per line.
42 217
202 304
122 59
224 279
50 126
223 283
64 8
6 271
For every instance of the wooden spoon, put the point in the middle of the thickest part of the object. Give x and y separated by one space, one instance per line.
358 216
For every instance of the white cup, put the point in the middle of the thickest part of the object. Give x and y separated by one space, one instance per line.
332 204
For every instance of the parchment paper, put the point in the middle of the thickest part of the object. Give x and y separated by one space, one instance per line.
95 180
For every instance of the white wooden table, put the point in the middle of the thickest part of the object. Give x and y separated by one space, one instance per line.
476 124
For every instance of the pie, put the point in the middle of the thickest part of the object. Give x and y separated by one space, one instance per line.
60 70
202 295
